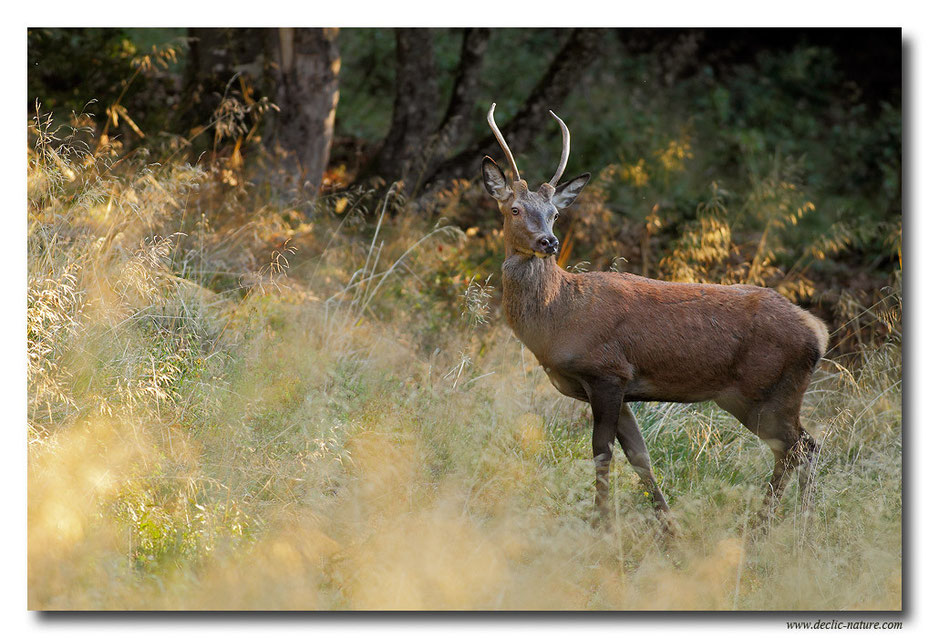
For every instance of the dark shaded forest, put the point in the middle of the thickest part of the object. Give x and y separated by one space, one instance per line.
788 137
267 363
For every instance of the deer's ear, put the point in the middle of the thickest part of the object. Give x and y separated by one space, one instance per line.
495 180
566 193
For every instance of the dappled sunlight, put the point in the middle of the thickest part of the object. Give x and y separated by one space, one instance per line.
360 488
244 393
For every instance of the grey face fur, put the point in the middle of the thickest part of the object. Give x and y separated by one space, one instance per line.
529 216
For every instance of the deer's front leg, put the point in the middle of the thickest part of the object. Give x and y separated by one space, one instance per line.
606 400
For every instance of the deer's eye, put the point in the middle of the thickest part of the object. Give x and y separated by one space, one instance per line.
515 211
555 217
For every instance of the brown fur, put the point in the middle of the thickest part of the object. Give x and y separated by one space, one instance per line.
612 338
662 341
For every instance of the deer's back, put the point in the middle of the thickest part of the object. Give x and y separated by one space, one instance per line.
674 341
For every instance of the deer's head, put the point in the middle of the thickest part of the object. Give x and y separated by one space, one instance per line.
528 216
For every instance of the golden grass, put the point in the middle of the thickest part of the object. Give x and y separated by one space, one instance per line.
354 436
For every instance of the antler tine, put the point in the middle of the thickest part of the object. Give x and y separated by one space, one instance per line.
499 136
565 150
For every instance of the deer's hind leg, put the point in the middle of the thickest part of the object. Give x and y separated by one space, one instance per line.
807 468
776 421
793 449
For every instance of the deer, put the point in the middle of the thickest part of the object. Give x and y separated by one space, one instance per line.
614 338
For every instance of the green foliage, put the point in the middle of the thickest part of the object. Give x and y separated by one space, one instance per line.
239 398
171 529
70 67
111 75
311 442
656 136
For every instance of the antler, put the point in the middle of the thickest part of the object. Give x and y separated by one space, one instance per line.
499 136
565 150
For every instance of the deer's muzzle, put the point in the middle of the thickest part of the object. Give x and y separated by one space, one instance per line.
547 245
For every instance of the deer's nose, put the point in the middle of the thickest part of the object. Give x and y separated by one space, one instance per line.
549 244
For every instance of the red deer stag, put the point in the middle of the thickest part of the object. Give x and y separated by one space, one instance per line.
612 338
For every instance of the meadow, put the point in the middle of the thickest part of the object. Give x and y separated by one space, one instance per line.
243 401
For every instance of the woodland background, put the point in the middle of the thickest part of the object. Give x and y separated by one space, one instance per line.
263 316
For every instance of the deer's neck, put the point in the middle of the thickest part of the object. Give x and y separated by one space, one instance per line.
532 288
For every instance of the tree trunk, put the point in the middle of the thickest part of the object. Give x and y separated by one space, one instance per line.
569 64
403 154
456 122
307 93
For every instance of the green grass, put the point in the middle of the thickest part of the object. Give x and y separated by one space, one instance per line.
355 428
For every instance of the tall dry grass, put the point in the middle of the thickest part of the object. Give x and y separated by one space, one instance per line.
302 406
